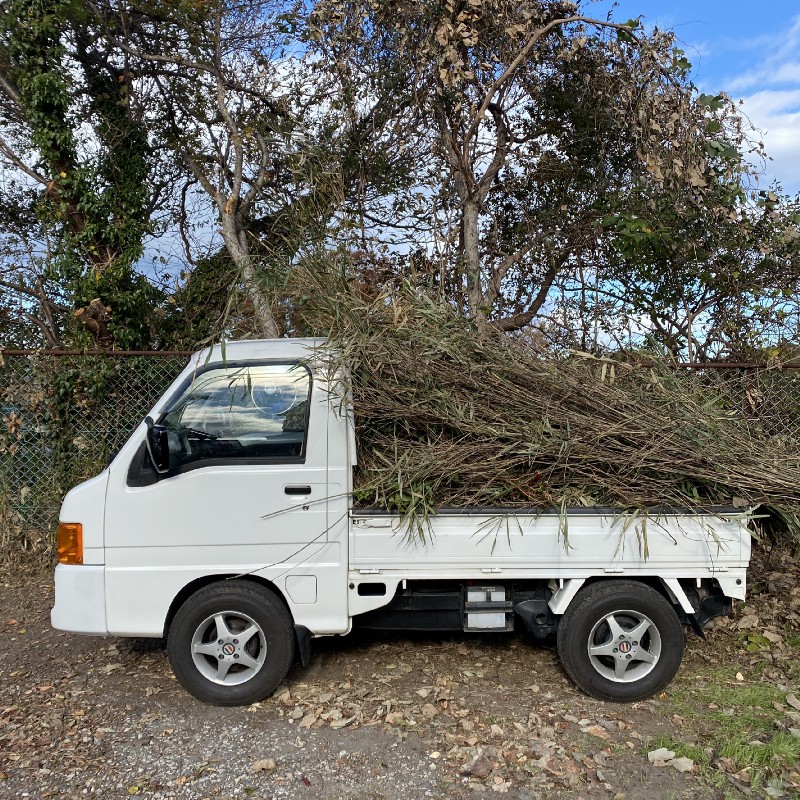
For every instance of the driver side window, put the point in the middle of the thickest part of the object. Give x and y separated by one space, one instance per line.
240 412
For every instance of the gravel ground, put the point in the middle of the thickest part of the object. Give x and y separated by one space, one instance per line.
372 716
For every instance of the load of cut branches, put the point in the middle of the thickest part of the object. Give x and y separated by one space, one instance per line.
450 414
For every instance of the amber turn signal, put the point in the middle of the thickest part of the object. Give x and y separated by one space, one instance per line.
70 543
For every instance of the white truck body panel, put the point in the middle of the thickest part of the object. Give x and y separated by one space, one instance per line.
80 599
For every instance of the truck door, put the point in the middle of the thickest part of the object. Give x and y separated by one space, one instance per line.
246 492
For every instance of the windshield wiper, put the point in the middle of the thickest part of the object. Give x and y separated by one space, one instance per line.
200 434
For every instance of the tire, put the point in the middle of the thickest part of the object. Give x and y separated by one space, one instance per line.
231 643
620 640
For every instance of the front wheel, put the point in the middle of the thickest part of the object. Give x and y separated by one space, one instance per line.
231 643
620 640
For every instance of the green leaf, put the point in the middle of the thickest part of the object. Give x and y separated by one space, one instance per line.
712 101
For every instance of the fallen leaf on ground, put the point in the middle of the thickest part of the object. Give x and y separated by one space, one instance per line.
479 768
596 730
341 723
660 754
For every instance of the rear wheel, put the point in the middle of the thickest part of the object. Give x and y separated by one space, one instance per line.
620 640
231 643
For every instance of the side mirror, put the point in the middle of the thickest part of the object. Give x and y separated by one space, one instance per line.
158 448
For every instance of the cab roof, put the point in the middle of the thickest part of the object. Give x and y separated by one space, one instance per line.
257 349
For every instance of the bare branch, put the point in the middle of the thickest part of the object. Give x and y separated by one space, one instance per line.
183 221
20 164
233 129
47 308
521 57
11 91
49 335
178 61
520 320
203 180
500 272
22 289
500 153
261 178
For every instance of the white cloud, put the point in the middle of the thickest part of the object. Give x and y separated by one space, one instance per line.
770 102
770 91
778 67
777 114
774 75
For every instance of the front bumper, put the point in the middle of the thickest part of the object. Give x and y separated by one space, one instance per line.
80 599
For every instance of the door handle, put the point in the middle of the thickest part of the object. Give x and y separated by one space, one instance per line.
297 490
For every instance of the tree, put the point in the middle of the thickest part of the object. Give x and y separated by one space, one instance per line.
32 307
535 126
712 278
73 129
227 101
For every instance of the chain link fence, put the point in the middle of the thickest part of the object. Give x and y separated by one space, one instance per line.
63 414
768 397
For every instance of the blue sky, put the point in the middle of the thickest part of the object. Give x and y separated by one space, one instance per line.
749 50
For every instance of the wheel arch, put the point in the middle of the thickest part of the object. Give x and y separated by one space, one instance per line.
207 580
670 588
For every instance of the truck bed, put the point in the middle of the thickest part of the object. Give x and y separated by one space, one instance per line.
580 543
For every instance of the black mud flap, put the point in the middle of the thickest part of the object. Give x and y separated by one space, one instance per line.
696 626
304 637
710 606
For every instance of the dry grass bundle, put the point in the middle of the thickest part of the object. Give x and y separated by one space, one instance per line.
450 416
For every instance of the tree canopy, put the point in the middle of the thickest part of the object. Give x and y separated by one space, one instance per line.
543 172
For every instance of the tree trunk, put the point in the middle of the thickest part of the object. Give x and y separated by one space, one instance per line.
470 242
237 246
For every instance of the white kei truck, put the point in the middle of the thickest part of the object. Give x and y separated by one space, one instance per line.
226 524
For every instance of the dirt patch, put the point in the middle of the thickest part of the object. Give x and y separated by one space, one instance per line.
376 716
